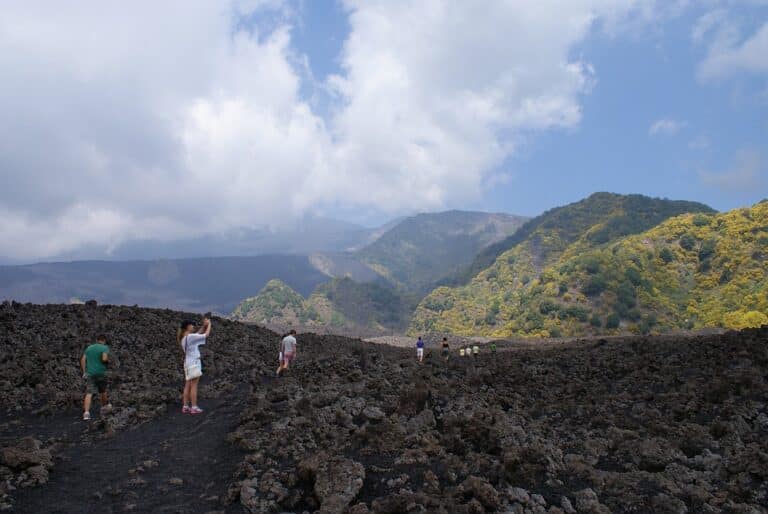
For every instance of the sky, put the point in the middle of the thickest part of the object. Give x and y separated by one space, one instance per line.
163 120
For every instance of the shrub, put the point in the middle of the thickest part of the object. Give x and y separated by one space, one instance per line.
562 288
595 321
577 312
707 249
700 220
592 266
687 242
555 332
634 276
548 307
666 255
595 285
626 294
613 321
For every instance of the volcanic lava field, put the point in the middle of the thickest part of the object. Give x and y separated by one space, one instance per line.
667 424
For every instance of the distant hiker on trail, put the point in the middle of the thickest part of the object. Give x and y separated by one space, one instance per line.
190 343
446 348
93 364
420 350
461 352
493 347
475 350
288 351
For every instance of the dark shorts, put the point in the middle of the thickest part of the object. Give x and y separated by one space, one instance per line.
96 385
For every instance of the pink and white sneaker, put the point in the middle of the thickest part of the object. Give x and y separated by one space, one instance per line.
195 410
185 409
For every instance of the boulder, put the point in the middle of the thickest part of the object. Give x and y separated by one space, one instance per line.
337 483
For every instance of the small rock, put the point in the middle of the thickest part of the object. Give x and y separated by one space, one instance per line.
518 494
567 506
176 481
373 413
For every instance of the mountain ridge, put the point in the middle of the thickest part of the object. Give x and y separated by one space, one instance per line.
638 283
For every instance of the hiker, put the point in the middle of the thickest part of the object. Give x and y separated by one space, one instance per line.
190 343
461 352
420 350
493 347
475 351
468 351
93 364
288 350
446 348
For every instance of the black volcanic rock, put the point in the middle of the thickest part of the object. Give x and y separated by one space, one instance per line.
666 424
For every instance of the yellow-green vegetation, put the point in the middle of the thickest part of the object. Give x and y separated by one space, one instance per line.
339 304
692 271
277 303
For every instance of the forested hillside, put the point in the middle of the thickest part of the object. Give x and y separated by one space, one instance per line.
339 305
692 271
606 216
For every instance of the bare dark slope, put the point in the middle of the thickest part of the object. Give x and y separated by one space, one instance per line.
624 425
202 284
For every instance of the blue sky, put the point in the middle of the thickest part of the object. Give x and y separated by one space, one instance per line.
641 77
258 113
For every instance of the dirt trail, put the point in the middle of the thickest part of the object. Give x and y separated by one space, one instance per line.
139 469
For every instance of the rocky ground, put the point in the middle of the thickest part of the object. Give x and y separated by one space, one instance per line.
661 424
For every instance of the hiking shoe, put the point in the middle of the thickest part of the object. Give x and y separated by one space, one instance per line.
86 416
195 410
185 409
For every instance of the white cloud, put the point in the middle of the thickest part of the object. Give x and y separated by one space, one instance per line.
747 174
729 51
666 127
161 119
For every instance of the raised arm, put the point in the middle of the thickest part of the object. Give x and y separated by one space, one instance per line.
206 328
82 363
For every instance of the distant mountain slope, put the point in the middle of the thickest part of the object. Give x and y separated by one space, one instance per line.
339 305
422 249
310 235
216 284
607 215
494 301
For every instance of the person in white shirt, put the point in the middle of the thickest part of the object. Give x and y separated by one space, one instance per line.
288 350
190 343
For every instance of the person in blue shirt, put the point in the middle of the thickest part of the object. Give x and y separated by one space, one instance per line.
420 350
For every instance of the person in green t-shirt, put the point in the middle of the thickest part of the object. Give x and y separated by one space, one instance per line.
93 364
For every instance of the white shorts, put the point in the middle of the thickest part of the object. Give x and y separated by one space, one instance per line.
193 369
419 352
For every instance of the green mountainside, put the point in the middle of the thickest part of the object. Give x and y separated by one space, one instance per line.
340 304
607 216
391 275
423 249
692 271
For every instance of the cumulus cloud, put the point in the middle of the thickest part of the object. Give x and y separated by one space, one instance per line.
747 174
666 127
162 119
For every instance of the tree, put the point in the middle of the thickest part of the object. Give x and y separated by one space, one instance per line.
666 255
613 321
595 285
687 242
